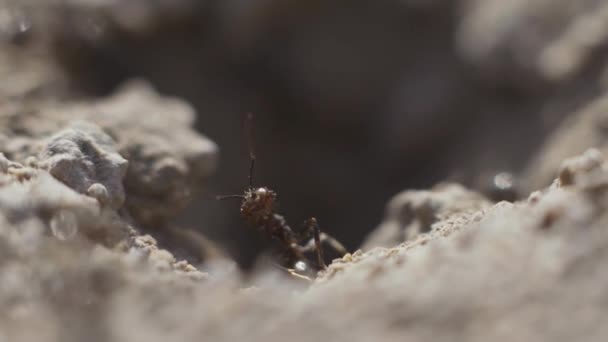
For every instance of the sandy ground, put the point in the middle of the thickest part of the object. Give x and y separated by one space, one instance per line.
91 188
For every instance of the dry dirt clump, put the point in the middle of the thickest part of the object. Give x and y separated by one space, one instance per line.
504 272
166 157
134 151
31 196
419 211
509 273
523 40
586 127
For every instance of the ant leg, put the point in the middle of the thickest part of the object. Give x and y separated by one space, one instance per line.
315 244
313 226
293 273
331 241
317 237
335 244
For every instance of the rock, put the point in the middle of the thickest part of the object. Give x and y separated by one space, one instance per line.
67 214
583 130
549 249
167 158
419 211
533 41
84 158
83 142
472 271
39 196
489 276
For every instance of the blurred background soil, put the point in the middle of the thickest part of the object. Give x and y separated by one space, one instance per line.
354 101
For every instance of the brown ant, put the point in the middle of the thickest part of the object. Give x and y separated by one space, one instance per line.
258 208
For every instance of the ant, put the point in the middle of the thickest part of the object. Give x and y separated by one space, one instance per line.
259 209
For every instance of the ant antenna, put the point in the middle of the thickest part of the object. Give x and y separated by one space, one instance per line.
250 140
249 128
225 197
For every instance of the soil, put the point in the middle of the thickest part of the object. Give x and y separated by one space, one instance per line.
479 127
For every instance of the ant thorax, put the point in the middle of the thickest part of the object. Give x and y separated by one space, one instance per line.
258 204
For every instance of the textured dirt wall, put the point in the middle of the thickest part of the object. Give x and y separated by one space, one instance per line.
75 269
95 170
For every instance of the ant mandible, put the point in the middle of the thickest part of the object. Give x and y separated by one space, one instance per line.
258 208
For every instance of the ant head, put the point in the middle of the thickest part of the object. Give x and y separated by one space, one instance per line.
260 201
